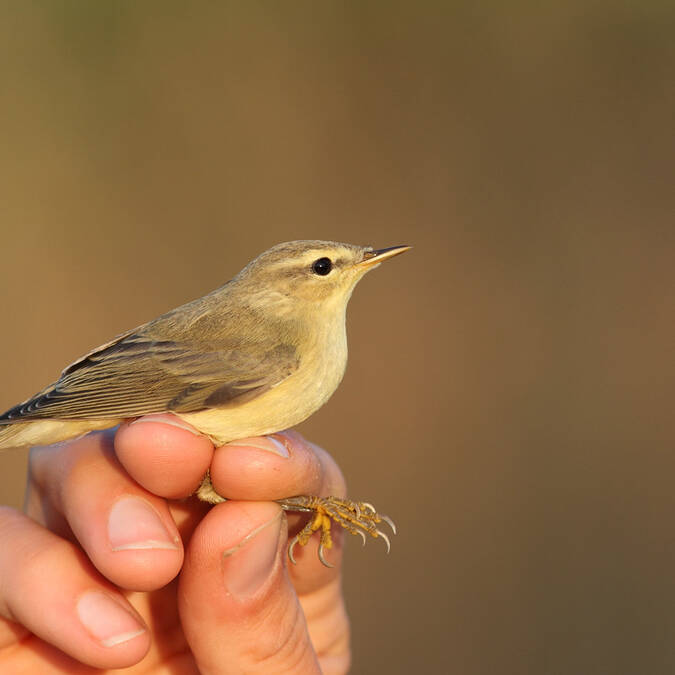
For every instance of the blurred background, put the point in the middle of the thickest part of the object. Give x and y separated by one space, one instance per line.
511 381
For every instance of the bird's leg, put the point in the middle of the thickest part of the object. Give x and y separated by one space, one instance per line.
356 517
206 491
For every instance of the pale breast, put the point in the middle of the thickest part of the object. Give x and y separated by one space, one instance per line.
322 365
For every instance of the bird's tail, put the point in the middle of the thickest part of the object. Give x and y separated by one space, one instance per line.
46 432
10 436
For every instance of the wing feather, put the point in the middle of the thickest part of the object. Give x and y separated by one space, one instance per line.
137 375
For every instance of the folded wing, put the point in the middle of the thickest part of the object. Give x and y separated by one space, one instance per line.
137 375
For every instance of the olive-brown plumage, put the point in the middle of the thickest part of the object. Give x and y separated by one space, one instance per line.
257 355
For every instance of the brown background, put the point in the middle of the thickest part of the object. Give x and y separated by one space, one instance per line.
510 389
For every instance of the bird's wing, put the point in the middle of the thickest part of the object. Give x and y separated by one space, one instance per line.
137 375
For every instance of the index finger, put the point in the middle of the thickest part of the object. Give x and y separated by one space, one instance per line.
165 455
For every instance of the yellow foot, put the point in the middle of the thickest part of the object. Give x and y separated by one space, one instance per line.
356 517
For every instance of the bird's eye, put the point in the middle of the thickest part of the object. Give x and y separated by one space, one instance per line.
322 266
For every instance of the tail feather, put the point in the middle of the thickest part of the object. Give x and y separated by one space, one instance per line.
46 432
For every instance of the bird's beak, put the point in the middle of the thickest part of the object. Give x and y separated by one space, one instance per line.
374 258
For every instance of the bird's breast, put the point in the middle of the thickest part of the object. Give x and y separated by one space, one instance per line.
322 364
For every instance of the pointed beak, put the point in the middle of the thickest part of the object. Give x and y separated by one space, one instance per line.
373 258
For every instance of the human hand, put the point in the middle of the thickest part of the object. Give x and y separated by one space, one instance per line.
112 568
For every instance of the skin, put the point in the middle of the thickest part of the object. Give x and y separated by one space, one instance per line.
206 590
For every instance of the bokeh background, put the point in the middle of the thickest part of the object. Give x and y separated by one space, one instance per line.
509 398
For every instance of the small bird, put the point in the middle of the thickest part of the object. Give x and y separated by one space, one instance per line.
258 355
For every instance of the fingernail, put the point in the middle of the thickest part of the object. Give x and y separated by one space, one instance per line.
171 420
108 622
268 443
134 524
247 565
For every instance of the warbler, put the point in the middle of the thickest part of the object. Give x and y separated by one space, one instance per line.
256 356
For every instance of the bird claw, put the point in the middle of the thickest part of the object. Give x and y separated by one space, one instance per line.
356 517
291 546
389 522
379 533
321 556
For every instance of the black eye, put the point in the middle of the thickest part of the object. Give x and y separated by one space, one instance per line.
322 266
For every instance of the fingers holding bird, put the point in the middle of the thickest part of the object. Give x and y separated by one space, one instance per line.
263 468
80 491
106 491
89 493
169 458
274 467
164 454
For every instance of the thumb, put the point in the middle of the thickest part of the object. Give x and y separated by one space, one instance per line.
237 605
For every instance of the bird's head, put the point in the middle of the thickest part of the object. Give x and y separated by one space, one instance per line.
308 274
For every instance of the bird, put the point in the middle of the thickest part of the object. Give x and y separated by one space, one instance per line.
257 355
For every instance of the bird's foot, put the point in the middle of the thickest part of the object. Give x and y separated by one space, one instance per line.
356 517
